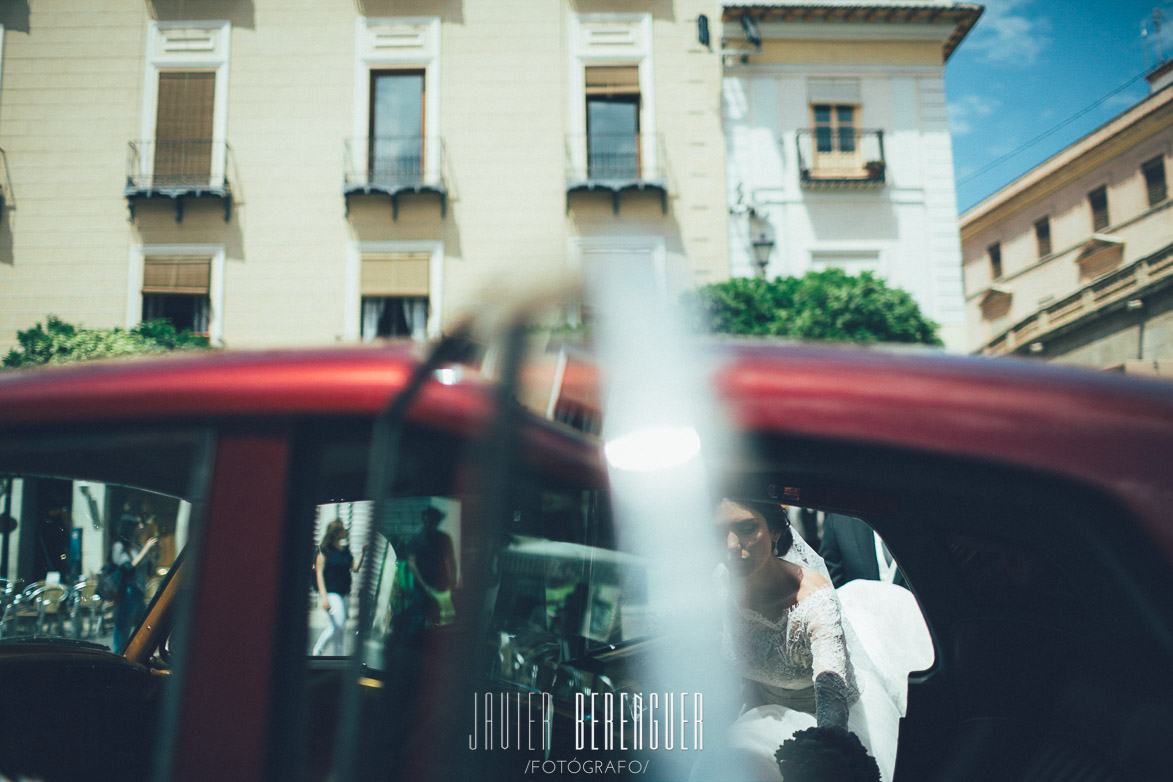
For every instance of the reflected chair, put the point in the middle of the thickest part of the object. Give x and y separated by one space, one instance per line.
40 608
86 610
51 601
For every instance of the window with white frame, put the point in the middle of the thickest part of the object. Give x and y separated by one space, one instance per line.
176 289
182 284
395 289
612 98
397 110
612 121
185 105
395 294
837 144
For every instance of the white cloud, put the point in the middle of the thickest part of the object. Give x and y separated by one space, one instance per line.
1010 33
1122 100
963 111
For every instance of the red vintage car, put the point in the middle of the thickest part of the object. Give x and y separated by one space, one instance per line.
1029 507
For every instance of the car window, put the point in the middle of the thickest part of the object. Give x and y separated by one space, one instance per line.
72 504
66 519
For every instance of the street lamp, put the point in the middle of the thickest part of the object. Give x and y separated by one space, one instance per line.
761 252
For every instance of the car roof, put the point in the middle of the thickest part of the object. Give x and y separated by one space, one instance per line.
214 384
1106 430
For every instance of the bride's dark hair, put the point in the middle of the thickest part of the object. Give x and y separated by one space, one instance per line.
776 519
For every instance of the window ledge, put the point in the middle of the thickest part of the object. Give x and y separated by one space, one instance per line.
617 186
393 190
135 192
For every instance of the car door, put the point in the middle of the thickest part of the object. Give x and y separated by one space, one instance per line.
73 706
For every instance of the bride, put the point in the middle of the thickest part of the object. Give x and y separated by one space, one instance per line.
802 664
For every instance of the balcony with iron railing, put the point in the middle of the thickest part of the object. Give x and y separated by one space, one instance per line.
395 166
615 164
841 158
178 170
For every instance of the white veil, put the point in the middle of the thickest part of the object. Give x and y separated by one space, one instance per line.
867 672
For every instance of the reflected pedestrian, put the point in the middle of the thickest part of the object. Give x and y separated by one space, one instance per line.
333 568
134 563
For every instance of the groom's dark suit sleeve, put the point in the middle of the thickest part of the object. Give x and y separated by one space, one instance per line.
831 553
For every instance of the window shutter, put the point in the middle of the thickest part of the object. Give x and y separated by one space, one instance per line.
177 275
395 274
612 80
186 100
183 127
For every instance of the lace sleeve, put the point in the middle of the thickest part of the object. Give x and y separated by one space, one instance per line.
834 676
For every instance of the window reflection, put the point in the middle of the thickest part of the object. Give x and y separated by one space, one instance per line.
58 533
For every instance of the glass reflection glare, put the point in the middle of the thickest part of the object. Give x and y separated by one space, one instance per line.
448 376
653 448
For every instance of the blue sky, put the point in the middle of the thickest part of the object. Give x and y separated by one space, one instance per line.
1030 65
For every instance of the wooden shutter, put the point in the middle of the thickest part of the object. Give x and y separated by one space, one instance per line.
612 80
395 274
183 126
170 274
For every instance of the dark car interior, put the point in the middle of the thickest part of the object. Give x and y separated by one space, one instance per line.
1045 602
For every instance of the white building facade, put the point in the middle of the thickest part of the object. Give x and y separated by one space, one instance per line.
839 148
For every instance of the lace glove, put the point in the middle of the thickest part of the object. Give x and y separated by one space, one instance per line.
830 700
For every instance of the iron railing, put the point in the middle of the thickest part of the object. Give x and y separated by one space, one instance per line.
614 157
392 162
155 165
841 156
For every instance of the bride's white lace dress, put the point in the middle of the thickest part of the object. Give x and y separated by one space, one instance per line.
780 660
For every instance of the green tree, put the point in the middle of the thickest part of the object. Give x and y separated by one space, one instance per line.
58 342
826 305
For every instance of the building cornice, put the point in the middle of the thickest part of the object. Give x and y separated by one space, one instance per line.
847 69
854 31
1139 123
955 19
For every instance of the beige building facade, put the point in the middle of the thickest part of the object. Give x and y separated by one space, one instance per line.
281 172
1073 261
